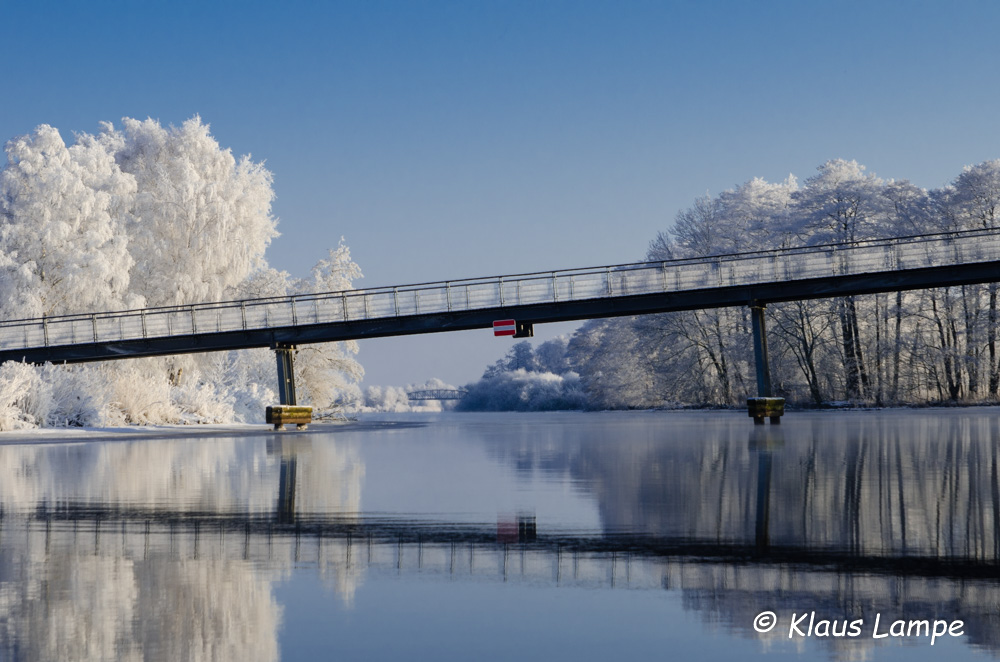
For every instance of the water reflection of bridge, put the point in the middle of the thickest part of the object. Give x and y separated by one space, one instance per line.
366 540
722 583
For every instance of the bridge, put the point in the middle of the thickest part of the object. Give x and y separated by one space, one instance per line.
436 394
752 279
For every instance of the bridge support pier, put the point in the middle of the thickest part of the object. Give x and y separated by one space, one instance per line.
285 353
760 351
765 404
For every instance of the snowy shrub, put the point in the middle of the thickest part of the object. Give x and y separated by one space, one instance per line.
140 392
25 399
246 379
79 396
202 403
521 390
251 401
388 398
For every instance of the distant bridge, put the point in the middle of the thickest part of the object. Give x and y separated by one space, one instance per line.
437 394
744 279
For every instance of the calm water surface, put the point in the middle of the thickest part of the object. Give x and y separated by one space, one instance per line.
497 537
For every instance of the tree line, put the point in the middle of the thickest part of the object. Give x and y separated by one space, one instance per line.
929 346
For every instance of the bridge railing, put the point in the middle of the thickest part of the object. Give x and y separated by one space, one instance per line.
715 271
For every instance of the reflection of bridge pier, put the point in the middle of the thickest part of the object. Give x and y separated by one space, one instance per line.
764 441
286 489
288 454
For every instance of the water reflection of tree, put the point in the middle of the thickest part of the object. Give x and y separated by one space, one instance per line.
87 592
894 489
865 484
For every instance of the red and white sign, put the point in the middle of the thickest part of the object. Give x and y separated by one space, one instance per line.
504 327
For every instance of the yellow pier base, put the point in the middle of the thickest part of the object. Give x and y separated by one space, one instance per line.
282 415
759 408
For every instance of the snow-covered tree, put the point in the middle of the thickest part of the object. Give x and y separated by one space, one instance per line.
519 357
146 215
328 373
201 218
975 203
63 216
841 203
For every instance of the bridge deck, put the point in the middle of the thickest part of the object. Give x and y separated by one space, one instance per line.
631 289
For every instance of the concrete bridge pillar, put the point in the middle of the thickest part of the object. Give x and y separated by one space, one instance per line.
765 404
760 351
285 353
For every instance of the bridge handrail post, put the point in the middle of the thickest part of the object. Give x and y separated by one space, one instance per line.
93 319
447 290
343 303
295 317
663 274
608 277
194 325
395 300
243 314
555 287
500 286
142 319
45 330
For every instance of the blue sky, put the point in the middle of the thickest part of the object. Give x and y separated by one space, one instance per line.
458 139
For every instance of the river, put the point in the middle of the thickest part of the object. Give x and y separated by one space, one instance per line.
586 536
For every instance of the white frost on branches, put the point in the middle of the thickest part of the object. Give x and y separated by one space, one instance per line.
63 213
202 220
145 215
936 345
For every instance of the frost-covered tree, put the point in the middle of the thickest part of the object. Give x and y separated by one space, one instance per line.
523 390
885 348
519 357
843 204
550 356
201 218
328 373
63 217
975 202
147 215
